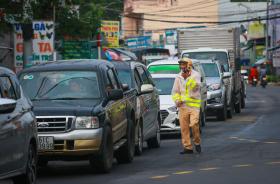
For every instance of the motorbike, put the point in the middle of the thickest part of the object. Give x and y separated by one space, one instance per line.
254 82
263 81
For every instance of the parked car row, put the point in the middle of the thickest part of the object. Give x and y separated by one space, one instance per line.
82 110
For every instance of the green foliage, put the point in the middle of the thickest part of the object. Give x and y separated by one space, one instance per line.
273 78
74 18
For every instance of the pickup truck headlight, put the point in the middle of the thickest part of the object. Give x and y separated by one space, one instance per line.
214 87
87 122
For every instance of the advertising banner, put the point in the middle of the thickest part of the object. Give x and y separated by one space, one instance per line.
43 41
139 42
256 30
111 31
18 46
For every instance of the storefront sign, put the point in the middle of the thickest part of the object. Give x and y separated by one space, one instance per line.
43 41
111 31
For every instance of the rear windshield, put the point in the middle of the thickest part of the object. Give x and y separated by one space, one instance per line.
219 56
55 85
164 85
210 69
167 69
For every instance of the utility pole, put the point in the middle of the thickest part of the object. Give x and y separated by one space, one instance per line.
27 31
266 30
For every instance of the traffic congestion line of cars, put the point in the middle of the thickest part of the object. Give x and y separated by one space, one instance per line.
94 110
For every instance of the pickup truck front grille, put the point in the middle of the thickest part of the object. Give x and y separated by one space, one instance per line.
164 114
46 124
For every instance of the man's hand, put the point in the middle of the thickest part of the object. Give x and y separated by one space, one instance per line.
179 103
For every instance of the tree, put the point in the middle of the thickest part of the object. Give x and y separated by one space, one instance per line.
74 18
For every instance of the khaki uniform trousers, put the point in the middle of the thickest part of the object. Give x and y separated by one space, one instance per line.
189 118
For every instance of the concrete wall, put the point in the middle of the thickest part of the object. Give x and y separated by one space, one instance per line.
165 10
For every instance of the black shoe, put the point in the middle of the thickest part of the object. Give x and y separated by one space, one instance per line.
186 151
198 148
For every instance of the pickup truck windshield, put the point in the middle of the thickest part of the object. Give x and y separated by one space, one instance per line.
210 69
60 85
219 56
164 85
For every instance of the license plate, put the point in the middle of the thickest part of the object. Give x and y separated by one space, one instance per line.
46 143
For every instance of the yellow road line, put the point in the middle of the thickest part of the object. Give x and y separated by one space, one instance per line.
270 142
159 177
183 172
243 165
273 163
209 169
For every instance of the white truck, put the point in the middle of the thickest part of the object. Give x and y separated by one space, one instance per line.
223 45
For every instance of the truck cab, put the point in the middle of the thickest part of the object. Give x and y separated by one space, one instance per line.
232 78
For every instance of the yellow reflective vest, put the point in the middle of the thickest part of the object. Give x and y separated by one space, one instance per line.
187 90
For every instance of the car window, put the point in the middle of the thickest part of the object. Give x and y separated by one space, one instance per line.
125 76
7 89
210 69
143 75
112 79
137 78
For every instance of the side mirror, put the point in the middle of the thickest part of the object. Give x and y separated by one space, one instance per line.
115 94
147 88
7 106
125 87
226 75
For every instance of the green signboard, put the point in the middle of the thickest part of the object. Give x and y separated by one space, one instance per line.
79 50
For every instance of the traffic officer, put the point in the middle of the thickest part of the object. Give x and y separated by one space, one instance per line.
186 95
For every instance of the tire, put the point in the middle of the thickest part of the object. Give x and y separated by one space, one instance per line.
230 110
140 140
237 107
202 119
222 113
154 142
42 162
102 163
243 104
31 168
125 154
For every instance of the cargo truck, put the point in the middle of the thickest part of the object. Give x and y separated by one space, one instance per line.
223 45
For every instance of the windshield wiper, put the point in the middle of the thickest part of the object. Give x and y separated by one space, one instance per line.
66 98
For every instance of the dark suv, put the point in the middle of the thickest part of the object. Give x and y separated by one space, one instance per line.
148 116
18 132
81 112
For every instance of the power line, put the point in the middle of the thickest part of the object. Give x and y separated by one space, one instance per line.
207 22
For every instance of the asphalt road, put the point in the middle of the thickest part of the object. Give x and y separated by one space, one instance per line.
245 149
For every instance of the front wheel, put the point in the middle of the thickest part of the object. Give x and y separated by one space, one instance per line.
154 142
126 153
103 162
140 139
237 107
29 177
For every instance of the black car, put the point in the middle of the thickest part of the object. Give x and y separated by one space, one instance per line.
18 132
81 112
148 115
